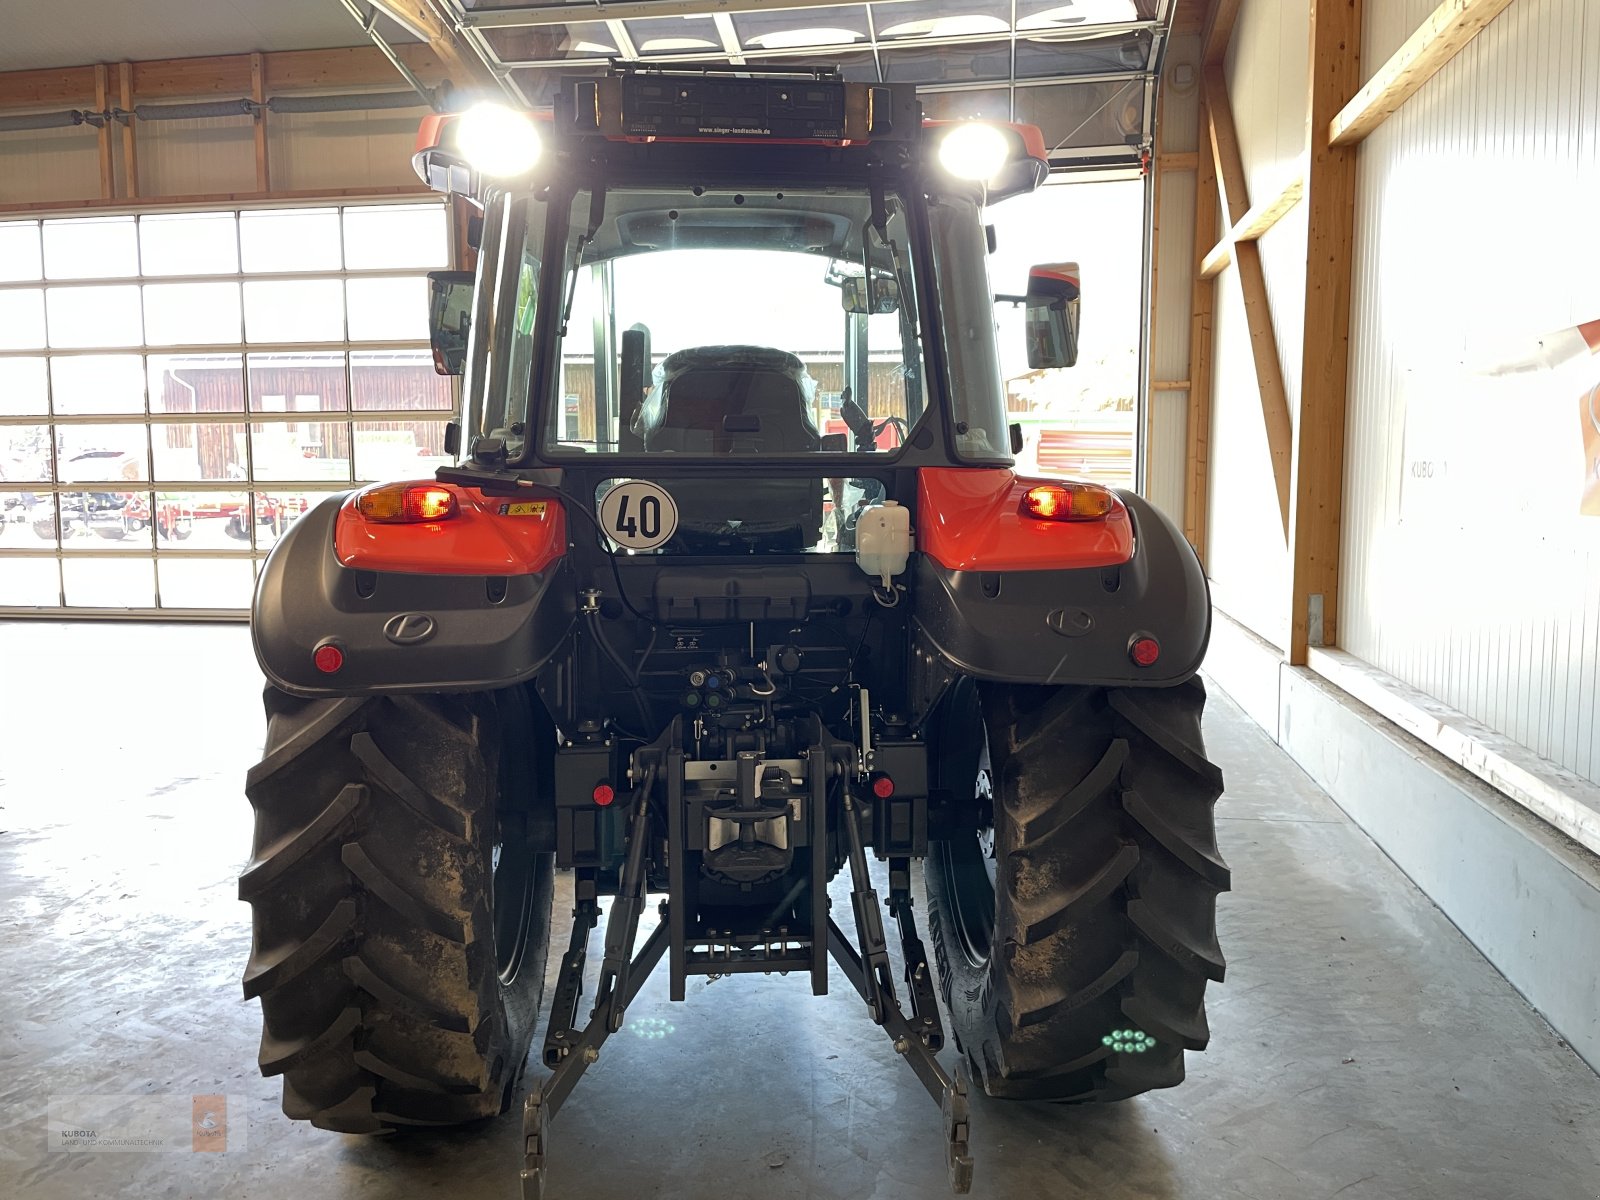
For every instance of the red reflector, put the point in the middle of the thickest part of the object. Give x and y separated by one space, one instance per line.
604 794
328 659
1144 651
882 787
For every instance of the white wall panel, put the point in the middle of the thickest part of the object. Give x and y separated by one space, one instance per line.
1247 557
1475 240
349 149
1267 68
196 157
1166 443
1174 299
49 164
344 150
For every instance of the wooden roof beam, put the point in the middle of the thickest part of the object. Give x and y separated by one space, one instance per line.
425 19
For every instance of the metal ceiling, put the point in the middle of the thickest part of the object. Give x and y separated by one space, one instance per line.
1082 70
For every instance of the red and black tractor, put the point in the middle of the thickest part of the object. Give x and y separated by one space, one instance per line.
734 586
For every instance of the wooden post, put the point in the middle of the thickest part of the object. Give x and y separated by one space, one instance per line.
1197 455
1229 163
1314 544
258 93
102 102
130 156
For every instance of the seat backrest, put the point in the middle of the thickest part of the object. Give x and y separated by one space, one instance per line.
746 399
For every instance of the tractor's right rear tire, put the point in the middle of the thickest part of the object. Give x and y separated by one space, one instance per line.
401 913
1075 928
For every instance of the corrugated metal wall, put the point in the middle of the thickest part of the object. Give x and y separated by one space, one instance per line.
1477 235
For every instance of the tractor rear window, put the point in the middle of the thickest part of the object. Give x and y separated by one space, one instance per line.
736 324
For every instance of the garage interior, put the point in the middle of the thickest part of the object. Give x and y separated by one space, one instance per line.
213 294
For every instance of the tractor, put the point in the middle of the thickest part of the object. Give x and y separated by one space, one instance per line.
733 588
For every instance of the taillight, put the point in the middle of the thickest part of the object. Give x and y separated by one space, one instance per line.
404 503
1067 502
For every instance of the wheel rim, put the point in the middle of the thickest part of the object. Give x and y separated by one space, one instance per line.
512 860
511 895
967 861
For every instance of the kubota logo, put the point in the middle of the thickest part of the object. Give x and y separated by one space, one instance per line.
409 629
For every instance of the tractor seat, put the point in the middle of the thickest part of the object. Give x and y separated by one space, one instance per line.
730 400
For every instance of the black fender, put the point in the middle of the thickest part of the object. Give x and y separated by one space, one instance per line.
399 632
1071 626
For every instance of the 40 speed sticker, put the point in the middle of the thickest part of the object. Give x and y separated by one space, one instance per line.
638 515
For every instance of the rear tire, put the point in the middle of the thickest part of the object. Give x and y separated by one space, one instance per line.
399 960
1074 957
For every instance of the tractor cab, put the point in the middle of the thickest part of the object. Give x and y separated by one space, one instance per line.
770 288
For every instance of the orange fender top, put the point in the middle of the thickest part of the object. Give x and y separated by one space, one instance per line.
489 535
970 519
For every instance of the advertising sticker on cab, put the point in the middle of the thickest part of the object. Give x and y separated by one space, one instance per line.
638 515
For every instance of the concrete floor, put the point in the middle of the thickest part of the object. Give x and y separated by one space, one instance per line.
1360 1048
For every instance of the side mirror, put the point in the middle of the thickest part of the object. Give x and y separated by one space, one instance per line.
1052 315
875 295
449 319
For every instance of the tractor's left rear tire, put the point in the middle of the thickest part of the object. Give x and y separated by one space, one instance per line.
401 914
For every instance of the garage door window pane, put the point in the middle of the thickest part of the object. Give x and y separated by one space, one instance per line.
30 582
191 314
394 236
399 449
94 316
34 516
24 387
101 453
384 310
294 311
301 450
297 383
108 583
276 513
99 248
98 383
24 453
189 244
183 383
19 251
22 319
206 521
390 379
205 583
199 450
299 239
99 518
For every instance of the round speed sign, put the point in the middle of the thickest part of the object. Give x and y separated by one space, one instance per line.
638 515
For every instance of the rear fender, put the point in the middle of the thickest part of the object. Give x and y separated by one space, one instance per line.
1065 625
401 630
